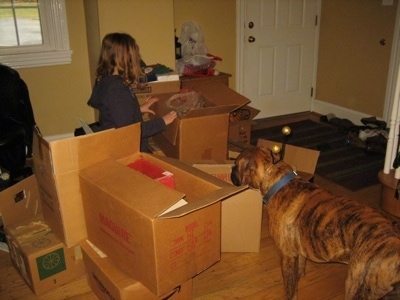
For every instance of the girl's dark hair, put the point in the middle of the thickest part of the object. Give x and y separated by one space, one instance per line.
119 51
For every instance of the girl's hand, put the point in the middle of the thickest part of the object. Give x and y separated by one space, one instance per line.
169 117
145 108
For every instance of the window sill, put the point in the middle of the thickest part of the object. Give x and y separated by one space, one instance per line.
26 60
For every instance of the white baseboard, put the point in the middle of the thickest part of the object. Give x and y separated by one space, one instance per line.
324 108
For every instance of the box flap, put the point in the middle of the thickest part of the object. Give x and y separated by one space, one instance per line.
79 152
132 187
186 166
220 170
218 94
207 200
299 158
20 201
253 111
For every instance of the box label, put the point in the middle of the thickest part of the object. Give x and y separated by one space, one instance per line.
51 263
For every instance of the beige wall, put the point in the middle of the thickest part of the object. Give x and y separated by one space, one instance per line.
151 23
59 93
352 65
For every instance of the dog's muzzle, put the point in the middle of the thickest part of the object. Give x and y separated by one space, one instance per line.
234 177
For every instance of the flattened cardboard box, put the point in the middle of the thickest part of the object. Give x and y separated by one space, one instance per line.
57 164
241 215
108 281
303 161
126 218
202 133
42 260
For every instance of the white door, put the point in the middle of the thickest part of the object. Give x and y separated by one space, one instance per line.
279 45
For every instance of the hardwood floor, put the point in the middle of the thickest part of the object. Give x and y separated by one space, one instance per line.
236 275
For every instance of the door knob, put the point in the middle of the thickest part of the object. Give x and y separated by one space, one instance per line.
251 39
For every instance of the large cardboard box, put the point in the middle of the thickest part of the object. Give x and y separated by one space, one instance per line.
201 133
304 161
240 124
57 164
127 217
241 214
108 281
42 260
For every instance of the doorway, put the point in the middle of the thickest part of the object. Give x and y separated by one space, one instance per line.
277 56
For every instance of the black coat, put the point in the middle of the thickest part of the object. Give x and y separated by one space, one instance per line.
118 106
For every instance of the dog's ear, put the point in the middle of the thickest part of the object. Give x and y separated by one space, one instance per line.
247 167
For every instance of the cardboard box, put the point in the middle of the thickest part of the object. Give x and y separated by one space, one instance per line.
42 260
304 161
108 281
57 164
389 201
202 133
127 217
241 214
240 124
20 202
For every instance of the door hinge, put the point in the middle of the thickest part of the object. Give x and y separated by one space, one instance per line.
316 20
312 92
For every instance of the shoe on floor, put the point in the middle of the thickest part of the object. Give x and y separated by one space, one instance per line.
342 124
376 144
374 121
368 133
327 118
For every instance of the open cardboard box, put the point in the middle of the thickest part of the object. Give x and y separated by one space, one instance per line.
108 281
157 87
201 133
241 214
304 161
43 261
127 216
57 164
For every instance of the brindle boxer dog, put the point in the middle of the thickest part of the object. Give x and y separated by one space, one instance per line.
308 222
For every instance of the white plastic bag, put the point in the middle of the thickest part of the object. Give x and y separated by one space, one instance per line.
192 40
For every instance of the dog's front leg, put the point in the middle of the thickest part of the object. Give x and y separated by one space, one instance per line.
290 274
302 266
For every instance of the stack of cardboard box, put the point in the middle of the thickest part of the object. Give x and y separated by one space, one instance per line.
93 188
139 225
39 255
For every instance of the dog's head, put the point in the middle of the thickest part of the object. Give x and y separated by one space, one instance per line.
256 168
249 167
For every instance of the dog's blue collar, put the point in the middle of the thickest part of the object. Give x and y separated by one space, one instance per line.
277 186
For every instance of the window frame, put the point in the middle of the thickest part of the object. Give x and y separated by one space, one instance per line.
55 49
